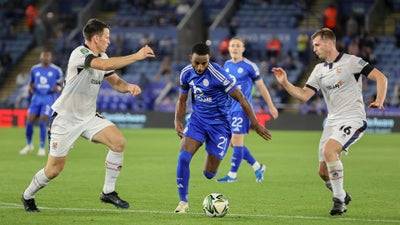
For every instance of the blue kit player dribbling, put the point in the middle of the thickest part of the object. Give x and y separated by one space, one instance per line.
211 88
45 83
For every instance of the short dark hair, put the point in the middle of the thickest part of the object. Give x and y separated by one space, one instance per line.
201 49
324 33
93 27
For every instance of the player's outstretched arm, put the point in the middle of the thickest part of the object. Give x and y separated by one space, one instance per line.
114 63
180 111
267 98
117 83
302 94
262 131
381 88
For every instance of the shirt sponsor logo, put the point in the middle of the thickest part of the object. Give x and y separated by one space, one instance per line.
337 85
199 95
94 81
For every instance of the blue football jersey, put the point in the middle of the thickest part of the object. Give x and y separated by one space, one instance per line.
210 93
245 73
44 78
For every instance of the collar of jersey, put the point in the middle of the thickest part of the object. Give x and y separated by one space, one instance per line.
91 50
330 65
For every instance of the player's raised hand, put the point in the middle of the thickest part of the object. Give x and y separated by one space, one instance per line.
179 128
376 104
134 89
262 131
145 52
280 75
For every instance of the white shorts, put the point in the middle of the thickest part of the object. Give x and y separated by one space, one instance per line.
64 131
346 134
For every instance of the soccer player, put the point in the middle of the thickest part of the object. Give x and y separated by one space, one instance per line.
45 82
75 112
245 73
339 79
211 87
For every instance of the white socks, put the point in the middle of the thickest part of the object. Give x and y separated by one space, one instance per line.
38 182
113 167
256 166
232 174
335 170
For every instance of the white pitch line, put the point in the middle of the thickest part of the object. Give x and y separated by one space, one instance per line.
5 205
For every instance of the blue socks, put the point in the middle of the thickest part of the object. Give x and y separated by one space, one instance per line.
247 156
237 157
43 126
29 132
183 174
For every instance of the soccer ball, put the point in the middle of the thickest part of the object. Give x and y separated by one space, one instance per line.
215 205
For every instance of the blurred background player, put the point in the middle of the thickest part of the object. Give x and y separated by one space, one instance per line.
339 79
75 112
211 87
45 82
245 73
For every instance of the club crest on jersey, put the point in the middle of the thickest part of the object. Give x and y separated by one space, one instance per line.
50 74
206 82
227 70
54 145
240 70
338 70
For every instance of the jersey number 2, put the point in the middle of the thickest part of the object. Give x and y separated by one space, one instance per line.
222 144
237 122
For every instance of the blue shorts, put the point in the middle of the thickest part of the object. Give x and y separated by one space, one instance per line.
216 136
41 106
240 124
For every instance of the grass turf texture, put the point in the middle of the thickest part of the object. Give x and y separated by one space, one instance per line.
292 192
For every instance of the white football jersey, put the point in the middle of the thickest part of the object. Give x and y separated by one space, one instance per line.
341 85
82 84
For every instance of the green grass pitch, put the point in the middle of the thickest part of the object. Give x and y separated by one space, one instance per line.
292 192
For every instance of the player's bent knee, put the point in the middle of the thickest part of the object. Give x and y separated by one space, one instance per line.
328 152
53 171
209 175
119 144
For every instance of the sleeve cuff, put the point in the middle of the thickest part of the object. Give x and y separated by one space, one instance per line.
89 59
232 89
312 88
367 69
256 78
183 91
109 73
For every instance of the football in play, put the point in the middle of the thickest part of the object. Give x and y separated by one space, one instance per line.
215 205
